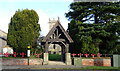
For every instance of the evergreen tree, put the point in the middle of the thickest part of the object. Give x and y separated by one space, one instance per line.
97 12
24 30
93 26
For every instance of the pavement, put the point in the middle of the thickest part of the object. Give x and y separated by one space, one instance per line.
51 70
46 68
42 67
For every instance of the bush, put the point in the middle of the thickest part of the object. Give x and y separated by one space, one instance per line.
54 57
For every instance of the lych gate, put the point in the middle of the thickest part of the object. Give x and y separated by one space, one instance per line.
57 35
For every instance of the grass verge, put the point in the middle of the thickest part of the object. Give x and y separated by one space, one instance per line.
100 68
86 68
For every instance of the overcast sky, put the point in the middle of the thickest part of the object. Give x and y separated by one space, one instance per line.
45 8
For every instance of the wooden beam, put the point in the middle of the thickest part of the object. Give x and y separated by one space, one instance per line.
57 32
55 40
46 47
67 48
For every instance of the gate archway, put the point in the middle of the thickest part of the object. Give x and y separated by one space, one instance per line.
57 35
57 50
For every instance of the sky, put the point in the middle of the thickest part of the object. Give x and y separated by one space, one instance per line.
45 9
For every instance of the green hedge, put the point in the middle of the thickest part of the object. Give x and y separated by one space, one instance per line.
54 57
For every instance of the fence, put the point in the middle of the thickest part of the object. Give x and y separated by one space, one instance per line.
13 59
15 54
92 55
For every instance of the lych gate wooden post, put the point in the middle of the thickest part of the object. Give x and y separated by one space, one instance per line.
57 35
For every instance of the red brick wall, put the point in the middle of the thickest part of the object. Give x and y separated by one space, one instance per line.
88 62
22 61
107 62
85 62
96 62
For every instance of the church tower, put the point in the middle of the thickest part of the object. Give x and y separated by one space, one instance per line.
53 48
52 23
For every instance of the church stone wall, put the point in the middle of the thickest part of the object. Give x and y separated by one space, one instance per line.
54 50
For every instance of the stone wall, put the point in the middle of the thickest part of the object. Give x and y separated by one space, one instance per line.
15 61
96 62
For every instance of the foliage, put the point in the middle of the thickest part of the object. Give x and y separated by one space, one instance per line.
37 50
93 26
98 12
23 30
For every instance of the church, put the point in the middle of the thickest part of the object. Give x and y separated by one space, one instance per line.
53 48
3 39
3 43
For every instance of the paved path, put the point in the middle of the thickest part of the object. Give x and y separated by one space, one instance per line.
56 63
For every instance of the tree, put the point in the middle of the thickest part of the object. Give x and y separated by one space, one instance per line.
24 30
87 37
97 12
94 26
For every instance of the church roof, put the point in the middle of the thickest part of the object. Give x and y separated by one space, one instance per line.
3 35
3 31
3 38
62 30
6 46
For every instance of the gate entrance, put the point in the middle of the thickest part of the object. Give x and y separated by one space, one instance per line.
57 42
56 52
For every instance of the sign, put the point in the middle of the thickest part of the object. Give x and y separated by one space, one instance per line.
28 53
